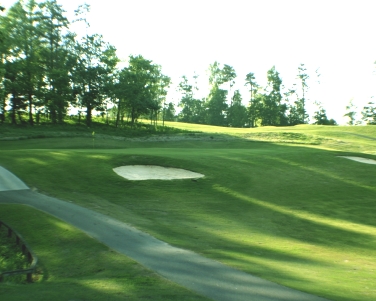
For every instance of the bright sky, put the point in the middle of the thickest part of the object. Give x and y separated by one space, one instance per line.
335 36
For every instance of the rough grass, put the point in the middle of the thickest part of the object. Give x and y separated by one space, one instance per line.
11 257
286 209
71 128
73 266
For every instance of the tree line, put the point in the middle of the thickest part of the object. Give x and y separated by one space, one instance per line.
45 69
271 105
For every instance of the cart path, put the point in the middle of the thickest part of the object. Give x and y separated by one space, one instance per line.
197 273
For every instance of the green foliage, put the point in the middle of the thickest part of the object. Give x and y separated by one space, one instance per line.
45 71
141 87
187 101
216 107
24 44
169 112
72 129
3 49
254 103
237 115
273 111
294 116
268 107
228 75
301 103
321 118
351 113
216 103
42 65
192 108
55 92
219 75
96 61
369 113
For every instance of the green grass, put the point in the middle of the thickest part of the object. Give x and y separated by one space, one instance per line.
275 202
76 267
11 257
73 129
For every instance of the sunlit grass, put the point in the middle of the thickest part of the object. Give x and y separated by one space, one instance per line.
306 215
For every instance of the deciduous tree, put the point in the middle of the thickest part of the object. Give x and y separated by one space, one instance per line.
142 86
56 59
96 61
25 46
216 104
216 107
351 113
369 113
301 105
254 106
273 111
321 118
237 113
169 112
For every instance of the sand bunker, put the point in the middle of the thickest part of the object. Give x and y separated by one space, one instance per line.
360 159
152 172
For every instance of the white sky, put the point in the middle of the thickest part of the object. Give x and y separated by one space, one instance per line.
336 36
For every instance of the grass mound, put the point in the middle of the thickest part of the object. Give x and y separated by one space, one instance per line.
284 137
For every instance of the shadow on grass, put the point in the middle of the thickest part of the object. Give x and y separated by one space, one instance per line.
79 268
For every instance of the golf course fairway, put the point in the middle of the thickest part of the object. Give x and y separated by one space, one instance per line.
278 203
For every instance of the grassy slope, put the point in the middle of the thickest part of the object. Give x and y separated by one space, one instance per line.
293 213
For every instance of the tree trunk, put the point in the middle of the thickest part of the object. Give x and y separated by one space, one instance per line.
88 116
2 110
31 121
37 117
13 109
133 117
53 115
19 117
118 114
60 116
59 105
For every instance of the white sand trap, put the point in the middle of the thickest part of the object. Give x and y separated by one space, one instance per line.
360 159
152 172
9 181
